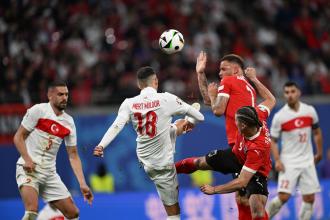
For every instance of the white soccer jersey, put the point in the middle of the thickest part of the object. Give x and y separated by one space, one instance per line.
47 132
295 129
151 115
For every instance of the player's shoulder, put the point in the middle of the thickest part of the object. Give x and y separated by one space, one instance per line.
167 94
306 106
42 106
230 78
38 108
283 111
68 117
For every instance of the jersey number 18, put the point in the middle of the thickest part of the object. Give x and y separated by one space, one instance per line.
149 127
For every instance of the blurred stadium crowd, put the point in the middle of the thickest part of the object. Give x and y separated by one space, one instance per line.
96 46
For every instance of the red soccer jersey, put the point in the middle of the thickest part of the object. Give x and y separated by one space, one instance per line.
254 152
240 93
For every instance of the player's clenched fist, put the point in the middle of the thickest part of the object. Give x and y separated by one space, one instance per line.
207 189
212 89
98 151
29 166
250 72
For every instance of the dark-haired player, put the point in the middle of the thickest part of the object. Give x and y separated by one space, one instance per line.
295 123
234 92
250 156
151 115
43 129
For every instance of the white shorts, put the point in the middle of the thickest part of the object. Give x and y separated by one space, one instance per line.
166 182
305 178
47 183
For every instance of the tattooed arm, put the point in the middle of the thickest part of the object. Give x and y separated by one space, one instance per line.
202 81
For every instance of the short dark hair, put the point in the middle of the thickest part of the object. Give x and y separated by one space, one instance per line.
233 58
249 116
56 83
145 72
291 83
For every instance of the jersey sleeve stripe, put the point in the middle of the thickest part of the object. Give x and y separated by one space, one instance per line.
224 94
265 107
249 169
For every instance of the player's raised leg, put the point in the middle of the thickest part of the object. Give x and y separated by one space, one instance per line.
191 164
30 199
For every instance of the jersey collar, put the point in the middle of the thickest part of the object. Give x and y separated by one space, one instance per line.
290 109
148 90
254 136
52 110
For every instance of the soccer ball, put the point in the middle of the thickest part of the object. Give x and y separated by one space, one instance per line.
171 41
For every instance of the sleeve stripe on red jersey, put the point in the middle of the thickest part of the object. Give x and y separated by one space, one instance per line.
249 169
265 107
224 94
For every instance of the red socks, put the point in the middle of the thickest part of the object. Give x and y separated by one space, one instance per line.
186 165
244 212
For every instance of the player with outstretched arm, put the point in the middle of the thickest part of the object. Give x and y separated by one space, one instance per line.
151 115
250 156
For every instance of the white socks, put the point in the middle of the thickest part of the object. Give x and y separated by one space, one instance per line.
173 217
306 211
274 207
29 215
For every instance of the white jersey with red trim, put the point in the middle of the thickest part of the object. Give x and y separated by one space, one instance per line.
47 131
151 115
295 129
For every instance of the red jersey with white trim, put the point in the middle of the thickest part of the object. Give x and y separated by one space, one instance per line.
295 130
240 93
47 131
254 152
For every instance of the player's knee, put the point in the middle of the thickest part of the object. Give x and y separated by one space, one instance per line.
284 197
257 211
309 198
258 214
242 200
72 213
200 163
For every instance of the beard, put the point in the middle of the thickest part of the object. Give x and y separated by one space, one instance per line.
61 106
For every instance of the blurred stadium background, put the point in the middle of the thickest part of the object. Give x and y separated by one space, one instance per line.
96 46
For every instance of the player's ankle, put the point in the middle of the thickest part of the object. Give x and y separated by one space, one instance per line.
30 215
